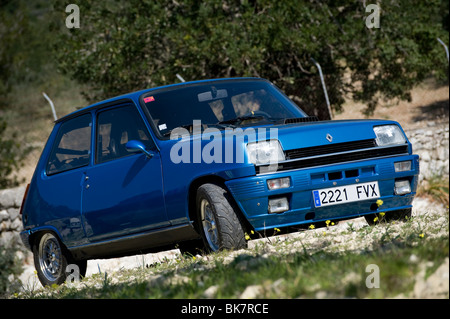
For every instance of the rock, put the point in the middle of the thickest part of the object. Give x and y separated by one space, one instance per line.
278 286
211 292
425 156
4 215
178 280
16 225
13 213
321 294
252 292
20 192
417 146
6 239
351 278
442 153
156 280
435 286
413 259
5 225
11 197
7 198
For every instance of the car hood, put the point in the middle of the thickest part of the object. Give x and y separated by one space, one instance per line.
300 135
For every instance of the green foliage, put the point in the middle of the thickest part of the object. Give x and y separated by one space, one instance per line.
24 50
27 68
122 47
437 187
9 158
8 266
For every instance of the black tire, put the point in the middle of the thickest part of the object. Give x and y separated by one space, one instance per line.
51 259
400 215
219 222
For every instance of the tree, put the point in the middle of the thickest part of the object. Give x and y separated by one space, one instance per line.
25 54
22 62
122 47
9 158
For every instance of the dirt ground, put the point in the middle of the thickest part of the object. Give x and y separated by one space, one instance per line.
429 104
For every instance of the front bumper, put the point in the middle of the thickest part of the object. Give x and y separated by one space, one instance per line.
252 194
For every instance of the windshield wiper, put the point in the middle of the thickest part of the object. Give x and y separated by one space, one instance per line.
240 119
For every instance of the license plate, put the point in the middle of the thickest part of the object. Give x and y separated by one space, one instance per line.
345 194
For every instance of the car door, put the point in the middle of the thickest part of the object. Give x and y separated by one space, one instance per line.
60 187
122 191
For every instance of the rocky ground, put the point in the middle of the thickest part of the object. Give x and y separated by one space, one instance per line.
428 218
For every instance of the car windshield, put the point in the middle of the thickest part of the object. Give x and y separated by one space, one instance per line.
218 104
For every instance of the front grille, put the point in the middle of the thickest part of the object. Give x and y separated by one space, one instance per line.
339 158
328 149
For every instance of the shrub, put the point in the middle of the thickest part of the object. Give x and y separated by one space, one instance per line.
9 265
10 154
435 188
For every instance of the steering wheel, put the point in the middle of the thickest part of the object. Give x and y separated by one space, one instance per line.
257 113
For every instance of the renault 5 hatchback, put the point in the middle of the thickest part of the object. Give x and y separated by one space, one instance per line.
198 165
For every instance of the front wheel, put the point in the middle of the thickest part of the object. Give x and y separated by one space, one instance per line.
220 225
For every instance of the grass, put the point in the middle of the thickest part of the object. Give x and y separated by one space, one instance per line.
435 188
309 264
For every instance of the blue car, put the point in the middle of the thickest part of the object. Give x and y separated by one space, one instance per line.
199 165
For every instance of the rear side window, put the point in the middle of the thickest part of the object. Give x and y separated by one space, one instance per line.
72 145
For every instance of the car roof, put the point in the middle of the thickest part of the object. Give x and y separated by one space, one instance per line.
135 95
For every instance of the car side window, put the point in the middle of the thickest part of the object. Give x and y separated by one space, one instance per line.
115 127
72 145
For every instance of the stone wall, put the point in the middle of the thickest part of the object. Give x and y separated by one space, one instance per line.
10 220
431 143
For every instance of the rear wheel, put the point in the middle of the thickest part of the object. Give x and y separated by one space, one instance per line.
218 219
51 260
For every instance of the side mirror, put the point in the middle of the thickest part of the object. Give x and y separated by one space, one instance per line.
137 146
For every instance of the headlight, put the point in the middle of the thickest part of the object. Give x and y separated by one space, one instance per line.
389 135
265 152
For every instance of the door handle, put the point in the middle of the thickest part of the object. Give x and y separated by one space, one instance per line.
84 180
